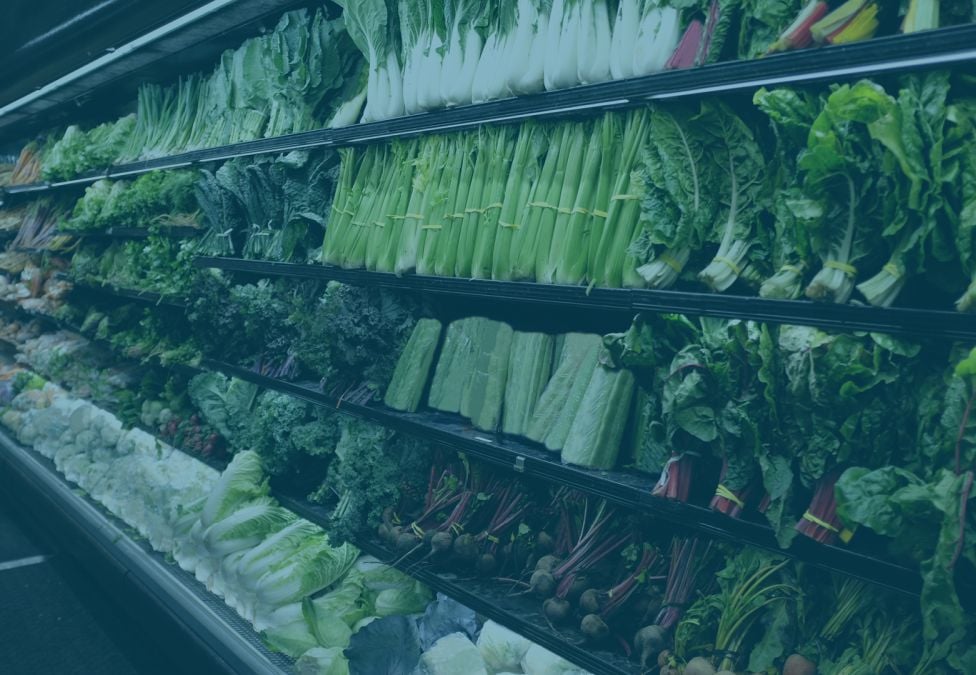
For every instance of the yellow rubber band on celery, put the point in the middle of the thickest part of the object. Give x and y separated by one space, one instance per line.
456 216
846 534
471 209
822 523
564 210
725 493
624 197
600 214
893 270
513 226
670 262
791 268
414 216
728 263
542 205
580 209
397 217
431 227
496 205
846 268
379 223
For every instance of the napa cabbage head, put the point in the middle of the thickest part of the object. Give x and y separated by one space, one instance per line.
242 481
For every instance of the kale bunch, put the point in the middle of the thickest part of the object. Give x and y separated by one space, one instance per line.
354 335
284 430
374 468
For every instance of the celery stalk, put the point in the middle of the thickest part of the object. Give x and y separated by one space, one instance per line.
502 153
447 244
556 222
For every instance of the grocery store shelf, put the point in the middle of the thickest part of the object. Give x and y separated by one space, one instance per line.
631 490
189 40
915 322
145 297
201 619
492 599
174 232
918 51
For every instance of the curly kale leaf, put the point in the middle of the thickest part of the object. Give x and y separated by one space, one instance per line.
355 334
373 469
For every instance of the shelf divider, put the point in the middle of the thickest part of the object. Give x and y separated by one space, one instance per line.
942 47
922 323
631 490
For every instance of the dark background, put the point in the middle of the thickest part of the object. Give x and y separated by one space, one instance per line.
41 40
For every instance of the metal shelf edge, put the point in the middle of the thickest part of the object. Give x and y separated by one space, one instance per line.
896 53
849 317
581 656
198 619
621 488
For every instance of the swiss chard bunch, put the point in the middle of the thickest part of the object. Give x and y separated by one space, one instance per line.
841 172
791 114
268 209
904 505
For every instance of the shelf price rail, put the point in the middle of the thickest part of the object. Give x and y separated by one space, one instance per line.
133 568
145 297
492 599
941 47
630 490
627 302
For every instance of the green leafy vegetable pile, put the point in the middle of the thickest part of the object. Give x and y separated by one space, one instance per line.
269 209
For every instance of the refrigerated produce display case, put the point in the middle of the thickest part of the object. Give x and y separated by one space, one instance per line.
445 337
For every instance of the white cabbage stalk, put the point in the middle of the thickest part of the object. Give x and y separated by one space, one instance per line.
656 40
489 76
432 62
593 58
394 86
411 32
458 77
561 62
553 51
624 40
464 46
349 112
411 78
525 53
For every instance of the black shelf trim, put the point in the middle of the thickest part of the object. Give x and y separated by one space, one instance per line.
174 232
941 47
125 63
631 490
146 297
895 320
520 615
198 614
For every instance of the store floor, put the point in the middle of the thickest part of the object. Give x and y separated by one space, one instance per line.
53 618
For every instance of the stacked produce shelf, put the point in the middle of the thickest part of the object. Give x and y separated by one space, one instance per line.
280 222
